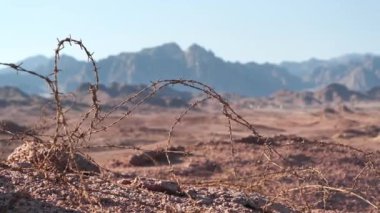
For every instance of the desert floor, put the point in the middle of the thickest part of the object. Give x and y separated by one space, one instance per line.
204 155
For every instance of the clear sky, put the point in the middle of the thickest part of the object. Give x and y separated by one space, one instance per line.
238 30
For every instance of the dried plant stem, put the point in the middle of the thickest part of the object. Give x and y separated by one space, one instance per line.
344 191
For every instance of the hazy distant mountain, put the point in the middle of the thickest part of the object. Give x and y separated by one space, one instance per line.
303 69
163 62
169 61
73 73
357 72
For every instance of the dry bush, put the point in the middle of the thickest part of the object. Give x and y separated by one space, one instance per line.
309 189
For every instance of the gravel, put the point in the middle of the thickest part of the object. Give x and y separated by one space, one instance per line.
31 190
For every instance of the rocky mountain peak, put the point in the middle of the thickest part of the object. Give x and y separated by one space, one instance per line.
165 50
198 51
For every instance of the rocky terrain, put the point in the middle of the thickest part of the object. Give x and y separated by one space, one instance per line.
321 169
118 194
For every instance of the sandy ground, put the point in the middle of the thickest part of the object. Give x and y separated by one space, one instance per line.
204 133
148 128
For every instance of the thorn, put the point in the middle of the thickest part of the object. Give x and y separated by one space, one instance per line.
80 44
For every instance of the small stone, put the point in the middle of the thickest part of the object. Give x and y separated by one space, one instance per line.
240 200
192 193
124 181
24 165
169 187
205 201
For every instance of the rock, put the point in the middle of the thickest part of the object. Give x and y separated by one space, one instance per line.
124 181
345 108
367 131
44 155
253 139
328 110
205 201
116 163
258 202
202 167
192 193
22 165
351 133
168 187
157 157
14 128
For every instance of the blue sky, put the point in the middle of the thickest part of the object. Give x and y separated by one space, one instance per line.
261 31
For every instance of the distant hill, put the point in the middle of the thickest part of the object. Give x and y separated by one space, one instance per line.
108 96
169 61
374 93
13 96
338 93
114 94
333 93
285 97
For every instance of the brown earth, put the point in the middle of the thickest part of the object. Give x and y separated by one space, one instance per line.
308 160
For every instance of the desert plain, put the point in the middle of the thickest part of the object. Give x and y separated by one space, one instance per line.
316 158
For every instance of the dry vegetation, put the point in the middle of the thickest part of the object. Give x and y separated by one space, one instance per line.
104 161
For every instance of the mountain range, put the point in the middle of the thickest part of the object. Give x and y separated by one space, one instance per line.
357 72
168 61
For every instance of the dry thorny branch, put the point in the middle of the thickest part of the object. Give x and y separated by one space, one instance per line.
71 138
